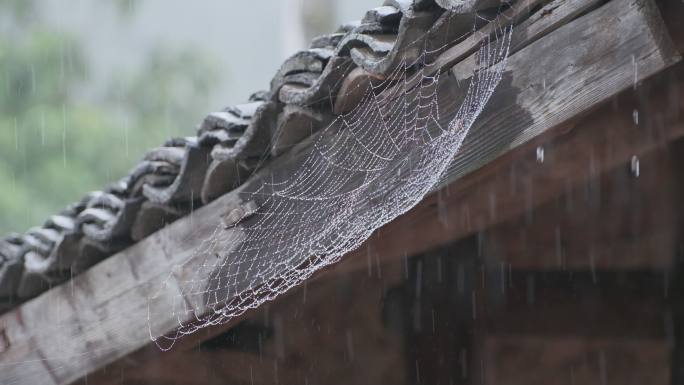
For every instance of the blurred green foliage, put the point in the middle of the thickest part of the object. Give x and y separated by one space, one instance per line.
57 144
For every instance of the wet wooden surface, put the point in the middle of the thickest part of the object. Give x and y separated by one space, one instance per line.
95 319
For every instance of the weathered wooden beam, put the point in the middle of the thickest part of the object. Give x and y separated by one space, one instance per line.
518 182
100 316
672 15
572 73
516 360
327 332
615 221
532 116
612 330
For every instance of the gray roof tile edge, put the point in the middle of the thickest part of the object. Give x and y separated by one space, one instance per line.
230 144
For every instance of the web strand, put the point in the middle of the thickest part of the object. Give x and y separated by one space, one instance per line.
363 170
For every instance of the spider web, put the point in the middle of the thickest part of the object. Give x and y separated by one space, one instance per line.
363 170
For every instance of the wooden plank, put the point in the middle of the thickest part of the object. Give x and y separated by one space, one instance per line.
472 43
672 12
610 330
614 221
96 318
581 72
331 331
517 183
574 150
549 17
517 360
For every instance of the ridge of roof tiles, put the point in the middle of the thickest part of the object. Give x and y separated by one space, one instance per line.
307 91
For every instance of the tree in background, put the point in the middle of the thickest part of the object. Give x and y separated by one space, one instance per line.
55 145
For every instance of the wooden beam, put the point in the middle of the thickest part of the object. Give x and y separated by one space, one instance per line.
614 221
517 182
614 330
331 331
101 315
517 360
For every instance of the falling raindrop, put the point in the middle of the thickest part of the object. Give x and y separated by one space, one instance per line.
634 166
369 260
377 265
434 328
7 83
442 211
636 72
530 289
417 373
492 205
33 79
304 292
482 369
503 278
64 128
572 375
670 329
350 345
602 365
62 73
16 135
419 279
126 134
540 154
439 269
42 128
275 371
464 363
474 303
635 117
559 247
460 280
592 265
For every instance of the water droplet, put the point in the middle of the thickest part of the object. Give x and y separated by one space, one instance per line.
464 363
33 79
350 345
602 365
634 166
64 135
635 117
16 135
434 327
540 154
530 289
125 129
636 71
42 128
474 303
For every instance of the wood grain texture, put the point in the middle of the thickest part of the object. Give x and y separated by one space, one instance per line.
331 331
100 316
565 74
560 330
530 360
612 222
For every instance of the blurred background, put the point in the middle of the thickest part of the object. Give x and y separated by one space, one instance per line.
86 87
